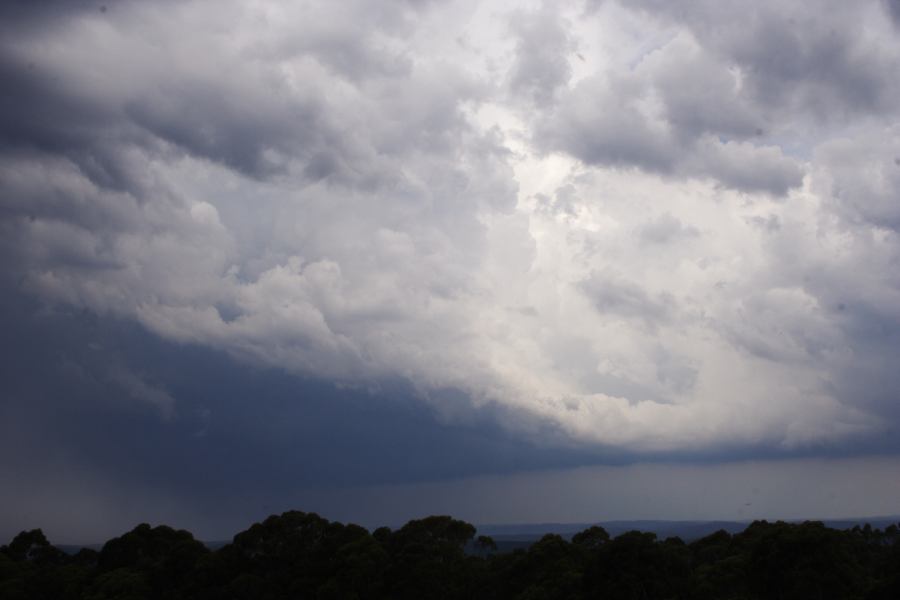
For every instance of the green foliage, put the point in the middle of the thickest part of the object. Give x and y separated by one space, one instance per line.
804 561
32 546
302 555
427 559
591 538
120 584
485 544
635 565
158 562
549 569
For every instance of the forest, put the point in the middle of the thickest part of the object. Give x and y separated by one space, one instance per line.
302 555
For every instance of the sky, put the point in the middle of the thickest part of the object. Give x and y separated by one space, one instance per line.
511 261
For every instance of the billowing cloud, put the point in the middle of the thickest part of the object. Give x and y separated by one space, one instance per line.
825 62
541 64
680 110
649 227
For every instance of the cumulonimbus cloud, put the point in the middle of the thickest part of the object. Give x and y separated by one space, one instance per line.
657 249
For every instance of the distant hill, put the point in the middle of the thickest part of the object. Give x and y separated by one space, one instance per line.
512 536
521 535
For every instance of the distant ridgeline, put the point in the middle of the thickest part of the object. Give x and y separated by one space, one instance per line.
301 555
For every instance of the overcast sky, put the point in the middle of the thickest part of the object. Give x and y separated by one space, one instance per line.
262 255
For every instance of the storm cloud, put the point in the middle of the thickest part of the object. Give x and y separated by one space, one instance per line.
640 227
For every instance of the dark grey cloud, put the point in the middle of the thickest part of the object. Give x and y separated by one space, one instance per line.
861 178
257 135
795 62
608 129
665 229
893 9
543 47
21 13
255 120
747 167
39 115
610 294
700 96
91 459
721 94
106 399
603 121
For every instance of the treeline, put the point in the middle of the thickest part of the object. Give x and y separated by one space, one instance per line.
301 555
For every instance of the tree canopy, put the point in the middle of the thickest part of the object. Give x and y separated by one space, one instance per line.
302 555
